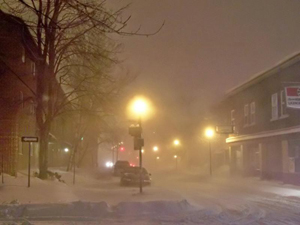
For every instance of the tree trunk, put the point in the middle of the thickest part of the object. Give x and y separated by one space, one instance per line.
43 153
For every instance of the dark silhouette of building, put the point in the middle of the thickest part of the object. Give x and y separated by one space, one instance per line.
18 55
266 141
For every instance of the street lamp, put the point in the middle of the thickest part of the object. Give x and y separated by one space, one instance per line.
209 133
176 142
176 159
139 107
155 148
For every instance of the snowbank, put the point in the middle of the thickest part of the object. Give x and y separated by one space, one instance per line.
16 211
155 207
91 210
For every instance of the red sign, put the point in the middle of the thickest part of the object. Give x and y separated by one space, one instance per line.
292 97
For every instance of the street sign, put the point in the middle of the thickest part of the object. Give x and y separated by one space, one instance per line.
30 139
135 130
293 97
138 143
224 129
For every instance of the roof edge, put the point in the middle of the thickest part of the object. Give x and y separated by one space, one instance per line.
263 75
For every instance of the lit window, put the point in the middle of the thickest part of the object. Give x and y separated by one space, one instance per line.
274 101
246 114
252 113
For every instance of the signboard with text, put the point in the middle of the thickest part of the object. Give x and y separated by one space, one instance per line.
292 97
29 139
224 129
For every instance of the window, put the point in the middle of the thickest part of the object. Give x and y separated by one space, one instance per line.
257 160
33 70
252 113
23 55
274 101
32 108
246 114
232 117
283 112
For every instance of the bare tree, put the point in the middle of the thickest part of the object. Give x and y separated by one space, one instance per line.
76 51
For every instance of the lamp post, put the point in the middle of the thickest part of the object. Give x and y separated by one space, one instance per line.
176 159
209 133
157 159
176 143
139 107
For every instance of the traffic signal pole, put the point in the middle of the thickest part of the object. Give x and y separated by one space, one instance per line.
141 161
138 143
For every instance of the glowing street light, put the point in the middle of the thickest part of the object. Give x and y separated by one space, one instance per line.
155 148
157 158
176 142
139 106
66 150
209 133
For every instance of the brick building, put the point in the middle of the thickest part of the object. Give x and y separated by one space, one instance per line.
266 141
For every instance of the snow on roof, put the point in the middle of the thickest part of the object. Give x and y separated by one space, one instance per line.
290 130
285 62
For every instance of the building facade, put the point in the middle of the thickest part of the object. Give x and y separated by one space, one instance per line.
266 140
18 57
17 88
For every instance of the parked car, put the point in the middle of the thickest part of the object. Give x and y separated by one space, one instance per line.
131 176
120 166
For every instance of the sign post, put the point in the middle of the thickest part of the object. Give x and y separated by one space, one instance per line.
136 132
29 140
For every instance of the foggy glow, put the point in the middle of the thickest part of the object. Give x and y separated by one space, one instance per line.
155 148
66 150
175 156
157 157
109 164
140 106
209 132
176 142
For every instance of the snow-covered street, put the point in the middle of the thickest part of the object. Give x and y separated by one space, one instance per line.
175 197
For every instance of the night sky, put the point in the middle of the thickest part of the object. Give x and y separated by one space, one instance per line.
205 48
